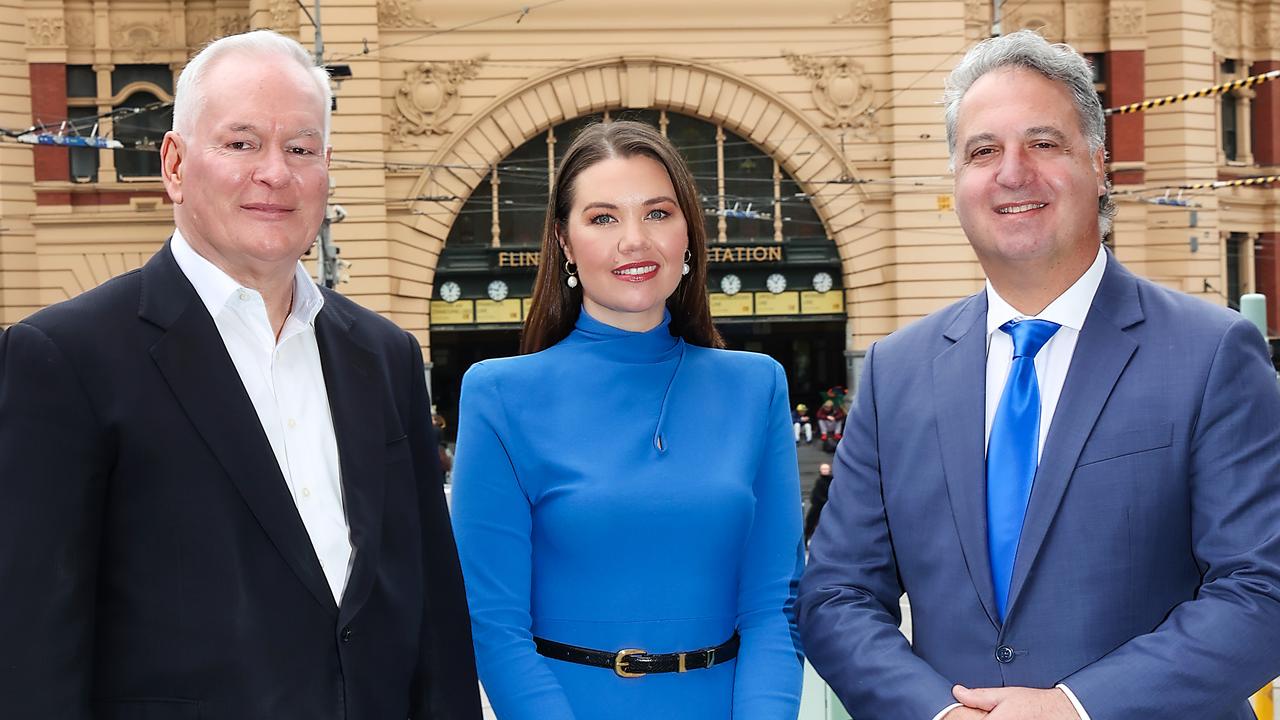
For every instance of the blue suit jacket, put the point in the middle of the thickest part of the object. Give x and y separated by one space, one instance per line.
1148 574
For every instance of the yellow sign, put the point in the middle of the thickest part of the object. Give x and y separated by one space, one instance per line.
525 304
830 302
462 312
518 258
743 254
731 305
784 303
505 311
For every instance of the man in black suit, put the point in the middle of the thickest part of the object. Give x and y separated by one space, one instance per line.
219 489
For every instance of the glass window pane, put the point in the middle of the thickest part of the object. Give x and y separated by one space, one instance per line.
159 75
82 81
522 194
696 140
84 161
141 134
472 226
748 187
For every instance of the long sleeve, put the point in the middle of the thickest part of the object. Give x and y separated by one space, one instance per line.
849 611
54 462
445 685
493 524
770 663
1213 651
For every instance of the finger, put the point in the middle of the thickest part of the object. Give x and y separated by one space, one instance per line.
978 698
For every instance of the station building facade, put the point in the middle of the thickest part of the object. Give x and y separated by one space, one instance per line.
813 128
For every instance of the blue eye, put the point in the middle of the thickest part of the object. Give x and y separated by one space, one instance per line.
602 219
657 214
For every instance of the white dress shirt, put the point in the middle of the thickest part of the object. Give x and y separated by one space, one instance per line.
285 382
1069 311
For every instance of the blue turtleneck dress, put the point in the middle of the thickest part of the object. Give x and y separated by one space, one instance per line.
629 490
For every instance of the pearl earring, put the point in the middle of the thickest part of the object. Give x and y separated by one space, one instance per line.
572 270
687 257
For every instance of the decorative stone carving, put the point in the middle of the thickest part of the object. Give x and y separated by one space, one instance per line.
200 28
45 32
1088 21
232 24
1044 20
428 97
80 30
142 38
864 12
284 15
1128 19
1226 29
842 91
403 14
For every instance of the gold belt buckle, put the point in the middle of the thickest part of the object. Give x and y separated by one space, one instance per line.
621 658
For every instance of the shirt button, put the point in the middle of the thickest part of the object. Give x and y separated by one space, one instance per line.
244 296
306 492
293 423
1004 654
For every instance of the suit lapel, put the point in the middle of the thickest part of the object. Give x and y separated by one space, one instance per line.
960 409
194 362
350 379
1102 352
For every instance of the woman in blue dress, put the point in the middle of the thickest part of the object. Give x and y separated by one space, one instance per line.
626 500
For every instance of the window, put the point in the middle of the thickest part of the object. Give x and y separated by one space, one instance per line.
141 134
82 111
1229 115
755 188
1235 276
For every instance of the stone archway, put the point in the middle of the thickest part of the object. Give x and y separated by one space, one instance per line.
626 82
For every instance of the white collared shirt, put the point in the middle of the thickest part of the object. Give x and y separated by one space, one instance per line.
285 382
1069 311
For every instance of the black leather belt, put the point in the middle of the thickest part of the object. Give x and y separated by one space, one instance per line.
633 663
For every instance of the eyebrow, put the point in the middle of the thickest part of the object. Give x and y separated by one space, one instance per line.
1037 131
251 128
610 206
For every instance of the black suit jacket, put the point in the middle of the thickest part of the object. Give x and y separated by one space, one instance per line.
152 562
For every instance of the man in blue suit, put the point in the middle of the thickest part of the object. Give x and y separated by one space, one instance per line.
1074 475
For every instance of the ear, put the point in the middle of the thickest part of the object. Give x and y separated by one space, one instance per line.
1100 169
172 151
564 247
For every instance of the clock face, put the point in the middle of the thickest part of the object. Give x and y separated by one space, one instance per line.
450 291
730 284
822 282
776 283
497 291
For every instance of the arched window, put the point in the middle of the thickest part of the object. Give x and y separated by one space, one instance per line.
141 134
746 197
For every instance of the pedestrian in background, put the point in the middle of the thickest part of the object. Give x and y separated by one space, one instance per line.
801 423
636 560
831 422
817 498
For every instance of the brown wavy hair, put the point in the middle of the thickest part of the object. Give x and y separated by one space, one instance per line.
555 306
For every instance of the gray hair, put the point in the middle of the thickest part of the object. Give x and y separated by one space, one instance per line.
189 98
1058 62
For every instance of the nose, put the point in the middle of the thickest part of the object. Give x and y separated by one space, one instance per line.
272 168
1015 168
635 236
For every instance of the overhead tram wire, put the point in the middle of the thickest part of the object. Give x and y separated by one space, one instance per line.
520 14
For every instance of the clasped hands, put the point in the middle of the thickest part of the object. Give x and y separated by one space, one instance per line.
1011 703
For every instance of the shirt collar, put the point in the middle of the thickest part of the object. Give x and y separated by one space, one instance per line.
216 288
1068 310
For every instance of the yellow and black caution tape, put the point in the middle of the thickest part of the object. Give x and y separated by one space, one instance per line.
1214 185
1202 92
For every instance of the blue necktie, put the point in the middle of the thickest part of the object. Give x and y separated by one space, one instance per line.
1012 452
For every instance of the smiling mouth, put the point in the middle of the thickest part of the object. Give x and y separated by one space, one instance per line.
267 209
1014 210
636 273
